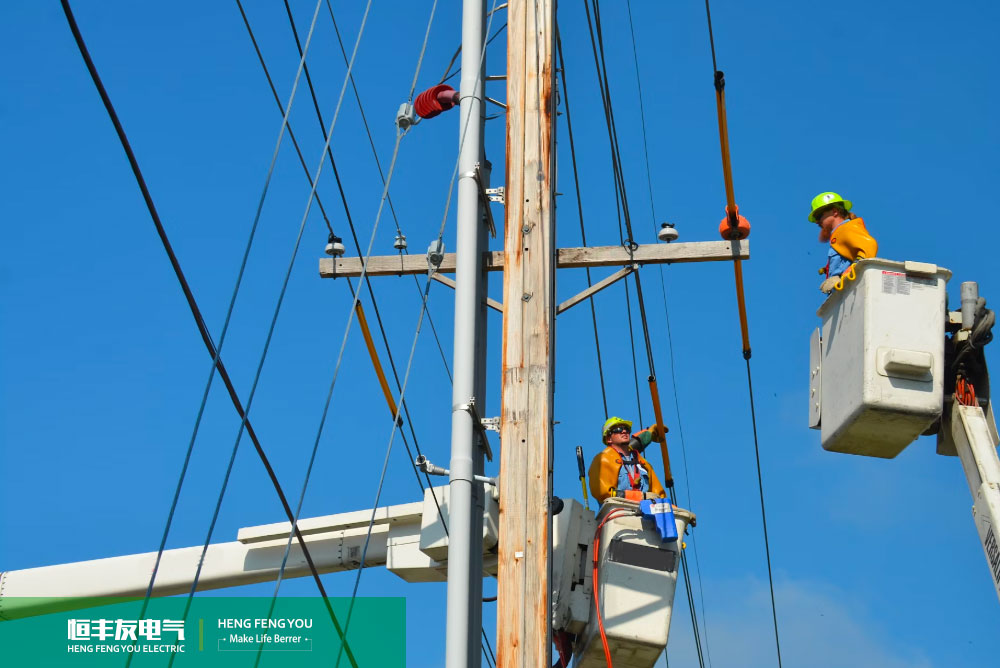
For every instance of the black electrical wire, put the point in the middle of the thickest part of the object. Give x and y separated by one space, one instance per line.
392 209
631 342
353 233
305 169
192 304
690 599
395 219
378 317
621 197
666 313
350 222
753 418
711 37
597 43
763 514
491 657
579 206
281 109
605 89
448 74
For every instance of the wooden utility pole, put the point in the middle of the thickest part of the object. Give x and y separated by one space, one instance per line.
523 633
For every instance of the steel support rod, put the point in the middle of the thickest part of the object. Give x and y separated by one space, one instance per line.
465 580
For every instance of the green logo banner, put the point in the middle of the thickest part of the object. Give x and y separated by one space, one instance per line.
217 631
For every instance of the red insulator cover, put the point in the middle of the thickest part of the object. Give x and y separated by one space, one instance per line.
434 100
730 233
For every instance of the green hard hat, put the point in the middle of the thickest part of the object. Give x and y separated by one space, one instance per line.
825 199
614 422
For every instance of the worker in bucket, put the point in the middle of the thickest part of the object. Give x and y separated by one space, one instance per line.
620 470
846 233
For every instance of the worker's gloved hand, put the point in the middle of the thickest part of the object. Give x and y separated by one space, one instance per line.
657 431
827 286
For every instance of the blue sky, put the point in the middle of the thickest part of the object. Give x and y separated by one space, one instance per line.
876 563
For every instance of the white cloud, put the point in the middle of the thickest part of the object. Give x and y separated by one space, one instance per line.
821 626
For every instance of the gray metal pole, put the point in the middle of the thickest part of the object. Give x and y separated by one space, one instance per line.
463 639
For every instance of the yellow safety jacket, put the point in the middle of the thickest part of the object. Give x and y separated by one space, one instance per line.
606 471
852 241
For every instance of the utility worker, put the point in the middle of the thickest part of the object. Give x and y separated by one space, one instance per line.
619 470
849 240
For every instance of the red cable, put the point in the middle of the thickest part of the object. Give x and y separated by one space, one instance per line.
618 512
965 393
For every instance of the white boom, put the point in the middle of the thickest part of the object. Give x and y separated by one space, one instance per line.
976 446
637 571
408 539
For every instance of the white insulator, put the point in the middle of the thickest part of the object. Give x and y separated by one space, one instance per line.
667 233
334 246
400 242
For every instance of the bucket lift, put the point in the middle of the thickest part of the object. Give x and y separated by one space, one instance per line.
637 569
890 363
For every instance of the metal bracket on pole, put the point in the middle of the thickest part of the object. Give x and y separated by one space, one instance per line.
425 465
491 424
486 198
477 422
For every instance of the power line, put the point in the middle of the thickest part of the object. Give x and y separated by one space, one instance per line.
193 306
423 305
382 201
666 312
392 210
763 514
350 222
731 211
579 206
597 44
277 100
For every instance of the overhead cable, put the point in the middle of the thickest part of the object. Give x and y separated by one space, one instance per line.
731 211
192 304
670 345
426 290
597 43
579 207
359 309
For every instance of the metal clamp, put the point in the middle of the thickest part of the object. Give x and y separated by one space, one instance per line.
485 198
477 422
435 255
425 465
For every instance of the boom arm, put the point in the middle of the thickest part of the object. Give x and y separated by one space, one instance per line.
408 539
976 446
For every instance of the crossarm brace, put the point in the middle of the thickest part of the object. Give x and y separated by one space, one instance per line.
596 287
